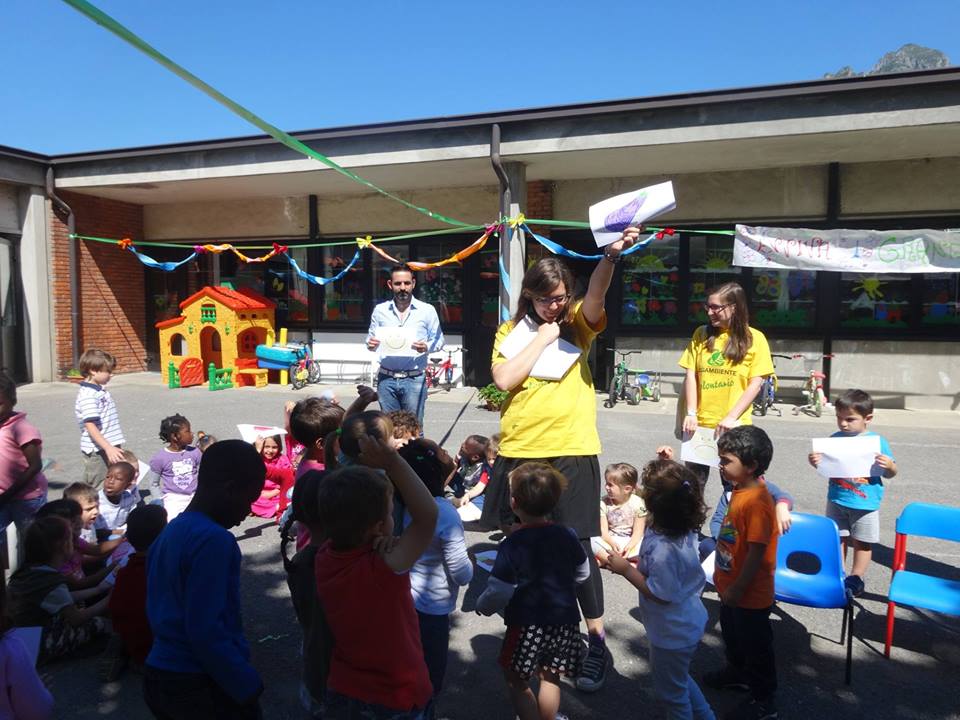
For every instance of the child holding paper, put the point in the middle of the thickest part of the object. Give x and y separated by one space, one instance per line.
854 503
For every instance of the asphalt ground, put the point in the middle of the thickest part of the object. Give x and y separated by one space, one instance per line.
921 680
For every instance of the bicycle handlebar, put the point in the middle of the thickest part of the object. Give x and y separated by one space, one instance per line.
624 353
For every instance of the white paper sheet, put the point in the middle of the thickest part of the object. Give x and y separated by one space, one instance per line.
485 559
469 512
610 217
700 448
553 362
848 457
250 432
29 636
708 565
396 341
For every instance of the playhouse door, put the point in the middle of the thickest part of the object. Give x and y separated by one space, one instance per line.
210 349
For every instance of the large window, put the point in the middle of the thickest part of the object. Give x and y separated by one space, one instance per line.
874 301
784 298
381 269
275 279
651 281
343 299
941 299
442 287
711 264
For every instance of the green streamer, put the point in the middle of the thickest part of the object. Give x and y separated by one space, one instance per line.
101 18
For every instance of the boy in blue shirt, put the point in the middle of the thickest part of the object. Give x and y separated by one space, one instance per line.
199 665
854 503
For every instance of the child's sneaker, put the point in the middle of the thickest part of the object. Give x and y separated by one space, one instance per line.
727 678
854 584
751 709
593 672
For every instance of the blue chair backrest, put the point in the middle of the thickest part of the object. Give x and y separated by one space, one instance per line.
929 520
818 536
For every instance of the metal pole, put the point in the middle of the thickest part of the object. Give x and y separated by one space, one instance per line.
505 202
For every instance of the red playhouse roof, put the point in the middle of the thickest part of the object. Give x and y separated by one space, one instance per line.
242 299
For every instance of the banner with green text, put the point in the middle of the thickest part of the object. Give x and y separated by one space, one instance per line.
862 251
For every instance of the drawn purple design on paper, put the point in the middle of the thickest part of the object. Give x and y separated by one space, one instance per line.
622 218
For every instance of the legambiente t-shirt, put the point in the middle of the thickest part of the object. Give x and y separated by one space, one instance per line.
720 383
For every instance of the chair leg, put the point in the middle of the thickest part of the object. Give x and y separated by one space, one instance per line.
891 616
843 627
849 611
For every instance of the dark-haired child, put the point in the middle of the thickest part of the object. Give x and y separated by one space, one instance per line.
278 480
199 664
117 498
175 467
670 580
370 423
535 579
100 435
746 559
23 487
436 577
39 596
312 421
377 665
854 503
473 472
85 556
128 603
302 581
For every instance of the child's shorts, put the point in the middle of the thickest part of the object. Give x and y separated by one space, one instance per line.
527 648
862 525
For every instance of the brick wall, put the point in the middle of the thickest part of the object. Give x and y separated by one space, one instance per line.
112 296
540 203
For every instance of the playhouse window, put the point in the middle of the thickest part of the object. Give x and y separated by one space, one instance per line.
178 345
208 313
248 342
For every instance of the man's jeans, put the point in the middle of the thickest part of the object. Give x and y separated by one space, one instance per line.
408 394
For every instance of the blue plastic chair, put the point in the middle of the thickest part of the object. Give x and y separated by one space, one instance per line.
818 536
916 589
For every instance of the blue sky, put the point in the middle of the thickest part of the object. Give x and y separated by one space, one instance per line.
71 86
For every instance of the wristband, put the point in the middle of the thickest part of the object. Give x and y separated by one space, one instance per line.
614 259
691 413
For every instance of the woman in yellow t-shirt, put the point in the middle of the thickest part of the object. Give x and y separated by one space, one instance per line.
555 420
726 362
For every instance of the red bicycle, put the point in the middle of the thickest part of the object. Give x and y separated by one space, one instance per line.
437 369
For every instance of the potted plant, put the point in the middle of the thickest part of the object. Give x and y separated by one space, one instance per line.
75 376
492 396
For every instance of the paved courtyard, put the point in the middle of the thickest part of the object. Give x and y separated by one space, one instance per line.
920 681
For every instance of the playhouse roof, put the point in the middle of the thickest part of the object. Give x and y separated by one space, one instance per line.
242 299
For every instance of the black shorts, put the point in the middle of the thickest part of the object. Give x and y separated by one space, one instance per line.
579 506
528 648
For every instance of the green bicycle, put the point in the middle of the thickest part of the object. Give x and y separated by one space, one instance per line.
643 387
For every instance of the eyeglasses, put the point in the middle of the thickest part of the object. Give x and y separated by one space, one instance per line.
717 308
555 300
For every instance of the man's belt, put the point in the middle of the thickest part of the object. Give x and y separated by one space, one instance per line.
400 374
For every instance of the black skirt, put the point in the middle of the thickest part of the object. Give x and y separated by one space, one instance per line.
579 506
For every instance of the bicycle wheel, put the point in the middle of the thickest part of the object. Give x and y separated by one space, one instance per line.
633 395
448 378
298 376
656 393
763 398
314 376
614 391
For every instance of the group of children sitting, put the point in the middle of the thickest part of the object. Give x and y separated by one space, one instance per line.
374 511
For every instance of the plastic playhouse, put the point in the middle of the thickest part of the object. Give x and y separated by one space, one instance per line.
215 339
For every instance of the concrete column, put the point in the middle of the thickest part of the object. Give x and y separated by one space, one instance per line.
35 275
512 243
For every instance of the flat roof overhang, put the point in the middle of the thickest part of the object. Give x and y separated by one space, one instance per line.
896 117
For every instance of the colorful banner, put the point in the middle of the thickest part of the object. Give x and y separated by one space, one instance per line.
319 279
863 251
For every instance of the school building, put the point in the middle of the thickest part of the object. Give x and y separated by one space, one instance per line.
876 152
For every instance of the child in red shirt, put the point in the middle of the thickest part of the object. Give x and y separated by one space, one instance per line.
377 663
128 604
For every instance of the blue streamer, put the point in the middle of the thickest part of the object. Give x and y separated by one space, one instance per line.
505 281
563 252
166 266
320 280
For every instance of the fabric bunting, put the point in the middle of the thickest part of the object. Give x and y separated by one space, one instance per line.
165 266
558 249
217 249
319 280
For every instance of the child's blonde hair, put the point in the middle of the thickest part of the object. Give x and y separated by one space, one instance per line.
81 491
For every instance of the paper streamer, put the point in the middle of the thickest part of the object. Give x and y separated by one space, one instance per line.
320 280
558 249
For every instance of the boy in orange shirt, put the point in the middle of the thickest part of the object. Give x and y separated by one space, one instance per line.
745 563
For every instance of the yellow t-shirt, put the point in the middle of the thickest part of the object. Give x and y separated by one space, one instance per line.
719 382
552 418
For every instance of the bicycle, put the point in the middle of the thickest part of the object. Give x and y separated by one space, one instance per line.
765 399
644 387
305 369
813 386
436 368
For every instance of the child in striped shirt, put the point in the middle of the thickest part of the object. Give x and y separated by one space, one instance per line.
100 435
